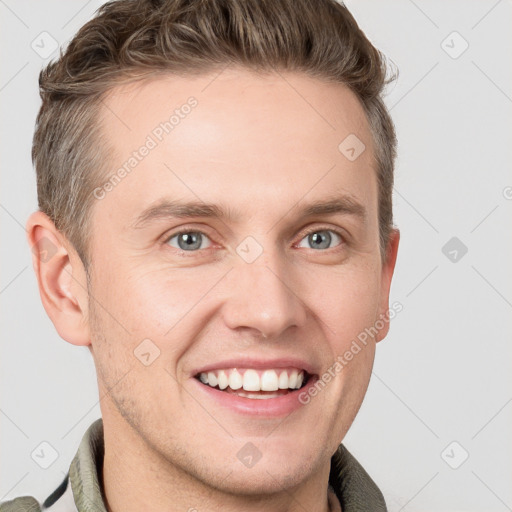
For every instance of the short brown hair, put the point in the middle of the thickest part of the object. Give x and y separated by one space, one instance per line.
130 40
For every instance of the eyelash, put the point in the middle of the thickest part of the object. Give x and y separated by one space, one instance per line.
185 254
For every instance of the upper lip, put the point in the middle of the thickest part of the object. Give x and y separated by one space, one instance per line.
283 362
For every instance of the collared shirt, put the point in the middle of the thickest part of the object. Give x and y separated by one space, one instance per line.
350 488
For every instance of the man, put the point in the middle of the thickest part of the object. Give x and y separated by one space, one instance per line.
215 225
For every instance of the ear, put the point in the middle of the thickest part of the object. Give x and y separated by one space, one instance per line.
388 268
61 279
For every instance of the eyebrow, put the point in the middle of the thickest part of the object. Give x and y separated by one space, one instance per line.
165 209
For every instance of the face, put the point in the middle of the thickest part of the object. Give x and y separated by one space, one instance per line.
264 279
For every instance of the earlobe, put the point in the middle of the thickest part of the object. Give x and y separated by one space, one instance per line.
388 268
61 279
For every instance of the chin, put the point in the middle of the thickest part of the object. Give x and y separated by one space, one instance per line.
266 478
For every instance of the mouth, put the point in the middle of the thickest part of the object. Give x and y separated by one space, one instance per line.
256 384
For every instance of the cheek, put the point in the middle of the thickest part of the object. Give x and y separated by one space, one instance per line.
346 300
151 302
134 294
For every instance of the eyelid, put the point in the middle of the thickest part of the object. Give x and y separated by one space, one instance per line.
185 229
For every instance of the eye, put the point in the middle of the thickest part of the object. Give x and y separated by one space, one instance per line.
193 241
188 240
321 238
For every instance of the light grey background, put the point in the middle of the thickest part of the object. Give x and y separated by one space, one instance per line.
443 374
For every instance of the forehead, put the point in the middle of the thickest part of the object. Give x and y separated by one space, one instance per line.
249 138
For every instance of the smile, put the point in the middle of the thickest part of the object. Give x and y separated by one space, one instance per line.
261 382
260 388
265 392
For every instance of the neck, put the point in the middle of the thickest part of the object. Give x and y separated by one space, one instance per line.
135 477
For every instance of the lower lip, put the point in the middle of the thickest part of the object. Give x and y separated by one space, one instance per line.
270 407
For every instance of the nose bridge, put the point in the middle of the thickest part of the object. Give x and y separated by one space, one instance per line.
261 292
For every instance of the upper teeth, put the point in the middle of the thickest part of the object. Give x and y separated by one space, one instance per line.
251 380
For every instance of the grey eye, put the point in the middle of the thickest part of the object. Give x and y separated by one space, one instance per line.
188 240
321 238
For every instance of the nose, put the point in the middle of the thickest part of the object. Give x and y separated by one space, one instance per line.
264 296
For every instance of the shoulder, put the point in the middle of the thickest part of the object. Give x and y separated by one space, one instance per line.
61 499
30 504
21 504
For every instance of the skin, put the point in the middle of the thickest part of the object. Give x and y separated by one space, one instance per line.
255 144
